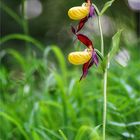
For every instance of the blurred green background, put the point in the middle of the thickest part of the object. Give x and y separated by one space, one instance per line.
41 97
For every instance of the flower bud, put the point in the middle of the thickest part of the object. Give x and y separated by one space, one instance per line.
78 58
79 12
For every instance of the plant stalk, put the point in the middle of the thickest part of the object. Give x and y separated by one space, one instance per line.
24 21
105 103
25 25
101 33
104 81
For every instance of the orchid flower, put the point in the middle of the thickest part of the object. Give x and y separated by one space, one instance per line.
88 57
82 13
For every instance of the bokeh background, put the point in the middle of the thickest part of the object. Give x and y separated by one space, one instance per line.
40 94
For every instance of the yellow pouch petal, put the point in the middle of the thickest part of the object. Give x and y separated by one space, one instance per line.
78 12
78 58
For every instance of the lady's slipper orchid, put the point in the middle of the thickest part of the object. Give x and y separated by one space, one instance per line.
80 12
87 57
81 57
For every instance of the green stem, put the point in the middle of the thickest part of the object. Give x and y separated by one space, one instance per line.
105 103
104 83
101 32
105 77
100 28
25 25
24 21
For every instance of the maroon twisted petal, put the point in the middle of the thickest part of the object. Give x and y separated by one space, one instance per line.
86 66
85 40
82 23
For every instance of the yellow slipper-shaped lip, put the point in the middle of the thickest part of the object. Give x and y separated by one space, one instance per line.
78 58
78 12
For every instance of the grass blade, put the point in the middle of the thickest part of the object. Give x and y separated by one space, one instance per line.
11 13
87 131
12 120
24 38
63 135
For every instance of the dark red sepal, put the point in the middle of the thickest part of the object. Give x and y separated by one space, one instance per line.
73 30
86 66
82 23
85 40
85 70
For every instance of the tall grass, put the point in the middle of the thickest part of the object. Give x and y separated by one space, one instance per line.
44 100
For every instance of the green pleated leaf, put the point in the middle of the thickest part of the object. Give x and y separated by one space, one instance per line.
106 6
115 44
104 63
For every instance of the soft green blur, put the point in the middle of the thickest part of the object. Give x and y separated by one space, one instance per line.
41 97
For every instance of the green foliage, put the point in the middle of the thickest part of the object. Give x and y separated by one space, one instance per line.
114 49
63 135
115 44
14 121
106 6
93 135
42 102
11 13
22 37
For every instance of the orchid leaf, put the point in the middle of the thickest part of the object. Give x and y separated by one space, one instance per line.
114 50
99 54
115 44
106 6
104 63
